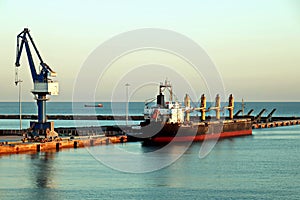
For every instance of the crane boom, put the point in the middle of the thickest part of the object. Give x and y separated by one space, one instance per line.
43 85
45 71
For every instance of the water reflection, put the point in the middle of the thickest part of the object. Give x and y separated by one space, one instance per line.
42 169
176 174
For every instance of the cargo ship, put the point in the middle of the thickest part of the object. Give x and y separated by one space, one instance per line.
97 105
170 121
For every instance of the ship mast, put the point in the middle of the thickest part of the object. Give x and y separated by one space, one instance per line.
167 85
243 107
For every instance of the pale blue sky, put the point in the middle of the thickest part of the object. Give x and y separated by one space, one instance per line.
255 44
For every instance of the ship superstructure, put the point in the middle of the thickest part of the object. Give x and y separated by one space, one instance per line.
166 111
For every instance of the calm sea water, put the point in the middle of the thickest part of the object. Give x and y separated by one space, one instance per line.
263 166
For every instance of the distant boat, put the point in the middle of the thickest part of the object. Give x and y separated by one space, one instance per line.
98 105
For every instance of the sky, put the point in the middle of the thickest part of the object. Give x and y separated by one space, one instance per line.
253 44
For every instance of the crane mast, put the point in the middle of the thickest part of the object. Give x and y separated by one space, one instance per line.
43 85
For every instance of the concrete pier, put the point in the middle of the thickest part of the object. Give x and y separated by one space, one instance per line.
19 147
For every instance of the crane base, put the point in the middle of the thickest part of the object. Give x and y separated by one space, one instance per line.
46 129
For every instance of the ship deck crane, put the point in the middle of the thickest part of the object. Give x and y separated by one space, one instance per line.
43 85
258 117
269 117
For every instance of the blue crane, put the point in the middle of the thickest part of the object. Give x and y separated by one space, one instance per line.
43 85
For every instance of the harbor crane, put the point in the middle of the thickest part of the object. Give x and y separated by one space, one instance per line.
43 85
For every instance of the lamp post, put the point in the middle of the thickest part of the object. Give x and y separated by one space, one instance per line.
127 101
20 102
19 81
243 107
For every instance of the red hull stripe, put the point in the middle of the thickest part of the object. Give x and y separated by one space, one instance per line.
202 137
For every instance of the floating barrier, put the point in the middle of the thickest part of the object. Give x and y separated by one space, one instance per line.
275 124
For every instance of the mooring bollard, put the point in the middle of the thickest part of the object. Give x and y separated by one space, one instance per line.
57 146
38 147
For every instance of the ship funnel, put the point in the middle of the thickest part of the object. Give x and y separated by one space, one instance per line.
161 100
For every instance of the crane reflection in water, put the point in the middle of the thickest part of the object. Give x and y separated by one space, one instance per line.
43 169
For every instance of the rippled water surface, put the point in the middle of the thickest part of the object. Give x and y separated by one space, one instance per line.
263 166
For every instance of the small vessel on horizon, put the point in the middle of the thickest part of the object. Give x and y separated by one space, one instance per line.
97 105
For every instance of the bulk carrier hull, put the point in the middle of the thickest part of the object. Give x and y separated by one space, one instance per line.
160 132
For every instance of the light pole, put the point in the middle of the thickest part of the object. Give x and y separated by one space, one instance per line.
127 101
243 107
20 102
19 81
